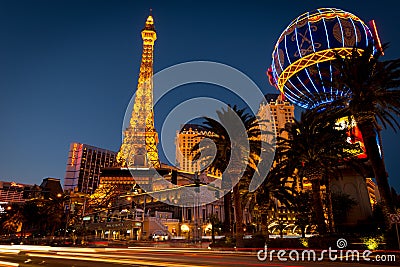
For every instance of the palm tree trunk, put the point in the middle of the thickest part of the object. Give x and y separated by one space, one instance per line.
227 212
317 203
213 234
331 222
264 223
238 216
378 165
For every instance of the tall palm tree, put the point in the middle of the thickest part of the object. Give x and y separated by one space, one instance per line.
13 221
235 152
370 94
315 148
277 187
52 212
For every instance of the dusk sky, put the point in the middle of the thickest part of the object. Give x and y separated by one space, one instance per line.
69 68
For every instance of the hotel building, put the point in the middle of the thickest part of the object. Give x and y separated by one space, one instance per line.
281 110
84 165
12 192
186 138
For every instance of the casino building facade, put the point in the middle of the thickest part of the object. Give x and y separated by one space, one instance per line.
83 167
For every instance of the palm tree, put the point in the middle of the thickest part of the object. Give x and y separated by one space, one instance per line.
277 187
13 221
235 150
52 212
303 211
213 219
30 212
370 94
315 149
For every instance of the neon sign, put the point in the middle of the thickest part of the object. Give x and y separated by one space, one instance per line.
73 154
74 150
14 184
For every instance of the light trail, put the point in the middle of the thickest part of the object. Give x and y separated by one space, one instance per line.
6 263
113 260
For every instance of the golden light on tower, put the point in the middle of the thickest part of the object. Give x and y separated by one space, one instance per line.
139 147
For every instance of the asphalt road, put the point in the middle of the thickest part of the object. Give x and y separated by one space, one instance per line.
166 257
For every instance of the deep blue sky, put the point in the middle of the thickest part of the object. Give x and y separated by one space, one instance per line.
69 68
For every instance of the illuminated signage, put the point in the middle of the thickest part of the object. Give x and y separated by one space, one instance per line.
74 150
14 184
86 218
354 136
73 154
2 207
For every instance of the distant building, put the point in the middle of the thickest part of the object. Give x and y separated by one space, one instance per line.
186 138
51 187
84 165
12 192
282 111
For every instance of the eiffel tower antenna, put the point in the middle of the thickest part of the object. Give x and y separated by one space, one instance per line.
139 147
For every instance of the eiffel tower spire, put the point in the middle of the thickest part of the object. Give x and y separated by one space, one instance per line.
139 147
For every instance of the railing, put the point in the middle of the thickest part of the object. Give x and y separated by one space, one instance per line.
169 220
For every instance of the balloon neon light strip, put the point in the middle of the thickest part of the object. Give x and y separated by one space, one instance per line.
329 47
290 62
288 58
301 56
341 31
312 59
355 30
313 47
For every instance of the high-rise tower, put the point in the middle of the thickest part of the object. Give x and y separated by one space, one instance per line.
139 147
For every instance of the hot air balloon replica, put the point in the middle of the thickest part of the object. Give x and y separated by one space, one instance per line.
301 61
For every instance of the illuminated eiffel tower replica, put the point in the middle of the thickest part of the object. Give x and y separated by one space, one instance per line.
139 147
137 160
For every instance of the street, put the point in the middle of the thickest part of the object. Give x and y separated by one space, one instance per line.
144 256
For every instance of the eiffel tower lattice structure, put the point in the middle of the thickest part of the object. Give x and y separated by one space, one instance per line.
139 146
